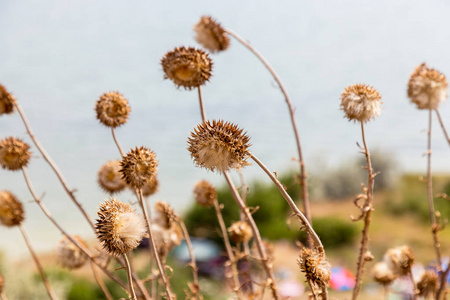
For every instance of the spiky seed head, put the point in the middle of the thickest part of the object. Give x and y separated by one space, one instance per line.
427 283
119 227
165 216
205 194
187 67
166 238
138 166
14 154
361 102
400 259
109 178
7 101
150 186
383 274
211 35
112 109
315 266
69 255
219 146
2 283
240 232
11 209
427 88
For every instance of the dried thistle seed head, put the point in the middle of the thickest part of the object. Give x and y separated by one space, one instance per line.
166 238
119 227
427 88
11 209
361 102
112 109
164 215
219 146
69 255
150 186
187 67
240 232
315 266
211 35
205 194
109 177
427 283
383 274
14 154
400 259
138 166
7 101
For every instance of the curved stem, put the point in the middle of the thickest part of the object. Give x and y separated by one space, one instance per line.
152 242
443 127
49 289
367 214
130 278
257 236
113 132
100 282
291 203
229 249
303 176
202 107
54 167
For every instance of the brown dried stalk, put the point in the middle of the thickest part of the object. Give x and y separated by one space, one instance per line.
130 278
117 142
201 104
257 236
303 176
100 281
441 294
442 126
366 211
49 289
152 243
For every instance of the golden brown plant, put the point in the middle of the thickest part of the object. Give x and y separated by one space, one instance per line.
427 88
166 238
112 109
400 259
219 146
11 209
240 232
69 255
205 194
361 102
164 215
427 284
119 227
187 67
150 186
138 166
7 101
383 274
315 266
109 178
211 35
14 154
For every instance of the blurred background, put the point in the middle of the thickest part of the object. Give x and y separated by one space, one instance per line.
58 57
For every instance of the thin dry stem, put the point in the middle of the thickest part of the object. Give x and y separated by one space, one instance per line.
441 294
367 211
292 205
100 282
130 278
113 132
202 107
155 251
443 127
303 176
54 167
257 236
49 289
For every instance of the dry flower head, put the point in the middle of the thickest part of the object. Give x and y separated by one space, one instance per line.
7 101
138 166
166 238
400 259
187 67
427 283
109 177
119 227
14 154
69 255
315 266
11 209
112 109
240 232
219 146
427 88
164 215
361 102
150 186
383 274
211 35
205 194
